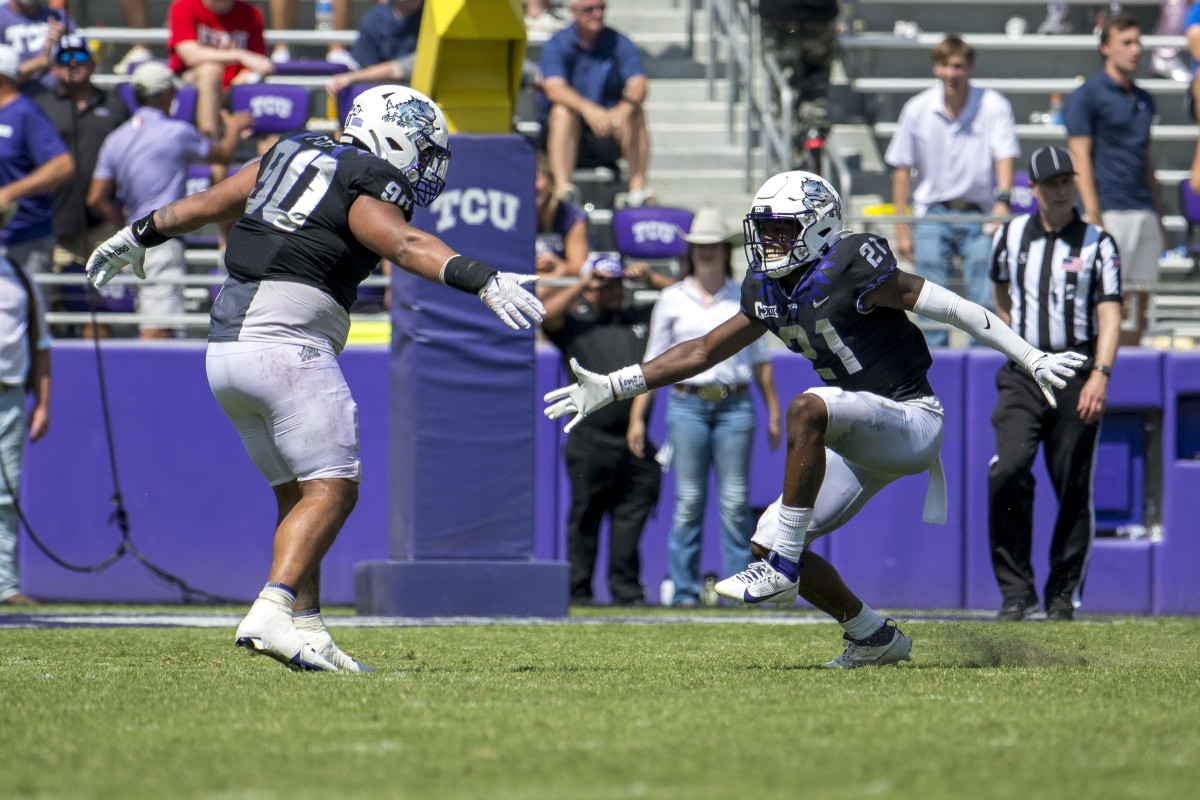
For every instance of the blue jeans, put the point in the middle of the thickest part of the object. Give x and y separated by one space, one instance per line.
12 449
937 243
707 435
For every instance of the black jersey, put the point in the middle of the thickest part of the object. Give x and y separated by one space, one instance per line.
879 351
296 226
603 342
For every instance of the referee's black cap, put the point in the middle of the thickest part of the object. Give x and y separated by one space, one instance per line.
1050 161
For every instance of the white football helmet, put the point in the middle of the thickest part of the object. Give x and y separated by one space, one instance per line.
406 129
794 220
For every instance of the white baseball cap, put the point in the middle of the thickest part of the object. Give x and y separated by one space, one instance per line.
10 62
153 77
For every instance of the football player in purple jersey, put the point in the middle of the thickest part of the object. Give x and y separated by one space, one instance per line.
838 298
312 220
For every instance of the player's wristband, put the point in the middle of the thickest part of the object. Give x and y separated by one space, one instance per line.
466 274
146 233
628 382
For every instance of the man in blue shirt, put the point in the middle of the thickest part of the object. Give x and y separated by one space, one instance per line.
1108 122
32 29
33 161
594 86
386 48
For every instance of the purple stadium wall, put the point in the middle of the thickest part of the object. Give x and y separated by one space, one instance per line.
199 509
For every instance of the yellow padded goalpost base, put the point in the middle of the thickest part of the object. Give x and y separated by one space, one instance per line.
469 57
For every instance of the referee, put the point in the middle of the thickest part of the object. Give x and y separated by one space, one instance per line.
1056 281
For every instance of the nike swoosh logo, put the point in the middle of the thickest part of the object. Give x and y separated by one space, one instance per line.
764 598
142 229
819 303
987 322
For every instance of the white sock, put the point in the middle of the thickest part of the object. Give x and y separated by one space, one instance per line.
277 594
793 527
864 624
310 620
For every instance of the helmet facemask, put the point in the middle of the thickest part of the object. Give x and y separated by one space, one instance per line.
428 175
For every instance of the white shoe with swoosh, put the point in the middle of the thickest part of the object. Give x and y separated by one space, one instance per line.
759 583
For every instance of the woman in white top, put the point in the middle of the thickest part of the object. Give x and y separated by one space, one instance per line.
710 417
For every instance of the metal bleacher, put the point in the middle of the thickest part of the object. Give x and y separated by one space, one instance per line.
886 46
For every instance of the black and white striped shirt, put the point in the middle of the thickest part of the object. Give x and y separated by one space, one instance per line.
1056 280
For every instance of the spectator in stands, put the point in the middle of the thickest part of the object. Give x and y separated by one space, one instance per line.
145 162
542 18
1057 21
592 323
32 29
137 15
83 114
960 141
1058 286
803 37
386 48
214 44
1108 121
562 238
283 18
33 162
594 85
710 417
1191 30
24 369
1194 172
1165 62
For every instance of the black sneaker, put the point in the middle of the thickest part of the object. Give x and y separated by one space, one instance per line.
1060 611
1015 609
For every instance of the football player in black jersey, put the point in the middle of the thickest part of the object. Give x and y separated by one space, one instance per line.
838 298
311 222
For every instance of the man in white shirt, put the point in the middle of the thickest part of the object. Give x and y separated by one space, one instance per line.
953 153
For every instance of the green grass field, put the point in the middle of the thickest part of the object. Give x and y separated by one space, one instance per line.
1102 708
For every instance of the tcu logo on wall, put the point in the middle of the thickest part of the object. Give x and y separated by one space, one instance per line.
476 206
653 230
268 105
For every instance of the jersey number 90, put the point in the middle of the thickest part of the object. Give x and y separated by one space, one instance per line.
292 185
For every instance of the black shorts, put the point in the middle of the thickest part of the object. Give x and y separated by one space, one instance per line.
594 151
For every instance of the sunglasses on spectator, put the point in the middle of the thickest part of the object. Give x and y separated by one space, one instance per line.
596 9
73 57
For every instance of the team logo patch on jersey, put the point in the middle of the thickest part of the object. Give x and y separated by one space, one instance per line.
308 353
765 310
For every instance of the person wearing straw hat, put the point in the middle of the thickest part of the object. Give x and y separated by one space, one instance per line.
710 416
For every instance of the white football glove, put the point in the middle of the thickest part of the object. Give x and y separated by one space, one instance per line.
119 251
593 392
505 296
1051 371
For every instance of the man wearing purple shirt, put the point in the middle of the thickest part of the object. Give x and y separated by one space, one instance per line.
146 161
32 29
33 161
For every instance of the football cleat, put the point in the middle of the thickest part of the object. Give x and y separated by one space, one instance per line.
263 632
891 652
759 583
322 642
